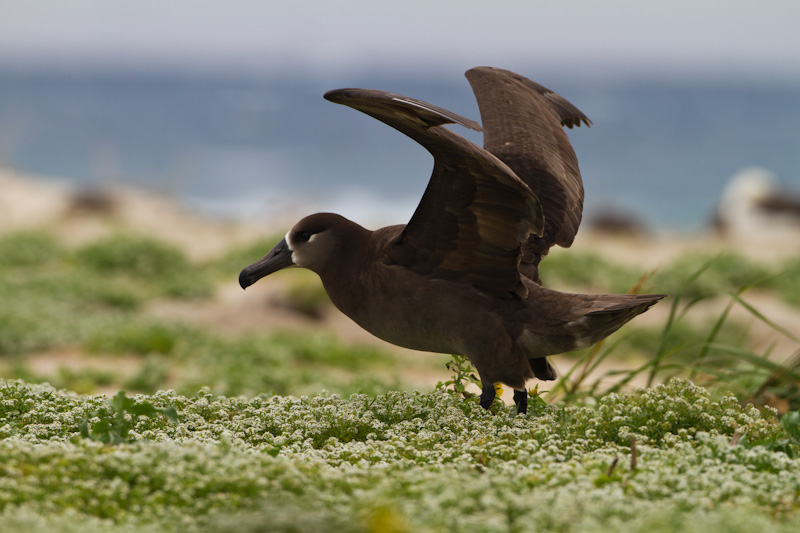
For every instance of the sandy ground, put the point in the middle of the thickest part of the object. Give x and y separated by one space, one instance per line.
80 216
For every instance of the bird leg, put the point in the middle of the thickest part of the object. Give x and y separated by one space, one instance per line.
521 399
487 395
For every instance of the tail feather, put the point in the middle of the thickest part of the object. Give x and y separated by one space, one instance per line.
628 302
558 322
600 323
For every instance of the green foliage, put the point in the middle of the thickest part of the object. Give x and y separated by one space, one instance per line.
712 350
28 249
588 270
463 374
139 337
726 272
135 256
188 358
536 404
720 273
283 363
305 294
657 415
790 422
51 296
40 301
378 460
787 281
84 381
153 374
116 427
399 461
42 310
787 442
145 259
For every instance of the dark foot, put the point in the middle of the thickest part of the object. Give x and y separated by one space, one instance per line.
487 396
521 399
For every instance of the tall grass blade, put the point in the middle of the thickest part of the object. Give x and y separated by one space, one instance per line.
771 323
673 313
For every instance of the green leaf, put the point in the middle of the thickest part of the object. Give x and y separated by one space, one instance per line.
144 409
120 402
790 422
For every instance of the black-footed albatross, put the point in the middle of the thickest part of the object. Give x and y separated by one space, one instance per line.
463 275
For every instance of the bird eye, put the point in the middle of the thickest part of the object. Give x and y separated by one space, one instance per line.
303 236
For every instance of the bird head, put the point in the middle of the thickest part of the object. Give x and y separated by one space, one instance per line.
313 243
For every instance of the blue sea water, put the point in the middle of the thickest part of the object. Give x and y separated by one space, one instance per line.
660 150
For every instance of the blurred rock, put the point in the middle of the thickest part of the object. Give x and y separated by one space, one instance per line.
101 202
615 222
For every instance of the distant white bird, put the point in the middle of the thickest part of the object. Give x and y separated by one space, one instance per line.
753 203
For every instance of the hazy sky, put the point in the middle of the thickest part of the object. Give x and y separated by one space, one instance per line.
689 35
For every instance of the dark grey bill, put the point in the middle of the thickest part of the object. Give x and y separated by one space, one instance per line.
277 258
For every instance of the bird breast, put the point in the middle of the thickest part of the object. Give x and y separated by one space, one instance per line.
416 312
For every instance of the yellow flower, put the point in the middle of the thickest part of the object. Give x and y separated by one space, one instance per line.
498 389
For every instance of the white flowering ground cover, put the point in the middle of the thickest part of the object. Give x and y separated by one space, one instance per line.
396 462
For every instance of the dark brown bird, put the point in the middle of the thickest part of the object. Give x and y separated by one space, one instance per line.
463 275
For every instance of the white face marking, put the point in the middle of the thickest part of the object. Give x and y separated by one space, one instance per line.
289 245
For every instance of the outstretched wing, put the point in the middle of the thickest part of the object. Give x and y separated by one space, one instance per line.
475 213
523 126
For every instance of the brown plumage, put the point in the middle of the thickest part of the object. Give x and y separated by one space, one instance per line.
462 276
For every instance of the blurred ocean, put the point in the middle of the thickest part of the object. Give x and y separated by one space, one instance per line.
660 150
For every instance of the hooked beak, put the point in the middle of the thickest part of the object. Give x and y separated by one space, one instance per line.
277 258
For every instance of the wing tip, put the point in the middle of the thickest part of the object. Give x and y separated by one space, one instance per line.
338 96
571 122
431 114
571 116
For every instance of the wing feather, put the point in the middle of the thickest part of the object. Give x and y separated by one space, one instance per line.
523 126
475 213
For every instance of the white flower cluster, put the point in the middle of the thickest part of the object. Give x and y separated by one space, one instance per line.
397 462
